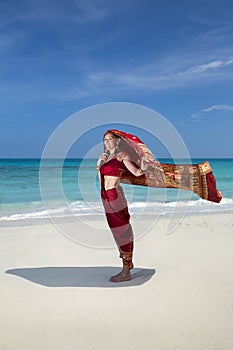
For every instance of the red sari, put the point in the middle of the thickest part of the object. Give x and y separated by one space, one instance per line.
116 211
195 177
198 178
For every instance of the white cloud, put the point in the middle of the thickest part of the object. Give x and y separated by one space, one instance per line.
88 11
163 75
79 11
218 108
225 108
230 61
202 68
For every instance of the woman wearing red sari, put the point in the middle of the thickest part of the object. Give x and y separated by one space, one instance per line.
127 159
112 165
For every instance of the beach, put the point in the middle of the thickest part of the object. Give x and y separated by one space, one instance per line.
116 114
55 293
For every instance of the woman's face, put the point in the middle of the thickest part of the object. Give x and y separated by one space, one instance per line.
110 142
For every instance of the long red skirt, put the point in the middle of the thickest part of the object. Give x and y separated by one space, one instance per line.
118 218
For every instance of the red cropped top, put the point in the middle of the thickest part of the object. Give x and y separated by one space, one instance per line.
113 167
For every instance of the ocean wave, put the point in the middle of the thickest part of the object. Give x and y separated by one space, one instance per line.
80 208
192 206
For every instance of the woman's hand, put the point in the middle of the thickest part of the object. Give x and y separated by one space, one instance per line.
134 169
102 159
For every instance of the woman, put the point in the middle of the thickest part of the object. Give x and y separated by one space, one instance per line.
139 167
112 165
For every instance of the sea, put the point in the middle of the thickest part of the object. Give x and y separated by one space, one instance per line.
35 189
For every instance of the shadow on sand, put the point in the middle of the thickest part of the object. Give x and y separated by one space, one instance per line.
80 276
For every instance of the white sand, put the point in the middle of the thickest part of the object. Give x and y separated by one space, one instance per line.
55 294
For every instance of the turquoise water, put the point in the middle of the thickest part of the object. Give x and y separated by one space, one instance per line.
29 187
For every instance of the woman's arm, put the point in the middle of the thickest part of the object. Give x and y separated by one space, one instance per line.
133 168
102 158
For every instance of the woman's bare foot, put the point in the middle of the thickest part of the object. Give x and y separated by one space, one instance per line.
120 277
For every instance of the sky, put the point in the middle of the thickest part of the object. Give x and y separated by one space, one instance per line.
60 57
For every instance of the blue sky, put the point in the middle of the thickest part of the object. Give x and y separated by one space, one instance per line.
58 57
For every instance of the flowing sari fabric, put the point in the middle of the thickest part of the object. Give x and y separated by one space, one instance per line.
198 178
118 218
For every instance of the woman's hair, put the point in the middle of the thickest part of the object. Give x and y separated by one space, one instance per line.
110 132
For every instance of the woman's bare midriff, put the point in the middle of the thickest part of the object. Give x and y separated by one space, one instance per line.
111 182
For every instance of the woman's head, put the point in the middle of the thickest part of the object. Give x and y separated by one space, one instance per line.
111 141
